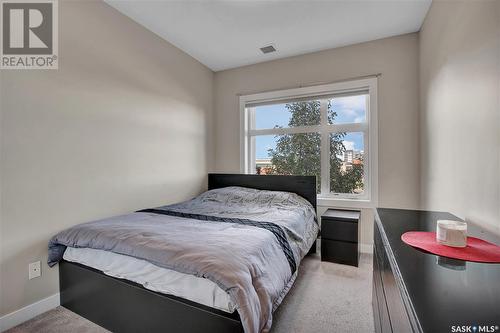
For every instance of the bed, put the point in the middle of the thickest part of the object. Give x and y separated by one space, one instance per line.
122 300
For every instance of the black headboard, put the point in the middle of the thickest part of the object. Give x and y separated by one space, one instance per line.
305 186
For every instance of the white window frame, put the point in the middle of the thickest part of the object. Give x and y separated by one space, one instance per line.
369 198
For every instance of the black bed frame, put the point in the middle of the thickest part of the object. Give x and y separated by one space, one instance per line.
124 306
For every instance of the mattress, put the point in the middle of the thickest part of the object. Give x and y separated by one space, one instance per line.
152 277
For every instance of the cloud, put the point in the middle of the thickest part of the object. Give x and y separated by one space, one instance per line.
350 102
350 109
349 145
349 112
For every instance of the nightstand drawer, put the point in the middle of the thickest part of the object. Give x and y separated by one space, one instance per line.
339 230
340 252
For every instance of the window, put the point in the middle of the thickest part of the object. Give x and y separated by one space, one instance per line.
328 131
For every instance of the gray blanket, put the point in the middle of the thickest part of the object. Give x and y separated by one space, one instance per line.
224 235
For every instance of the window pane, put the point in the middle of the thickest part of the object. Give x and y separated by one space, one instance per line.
346 162
289 154
294 114
347 109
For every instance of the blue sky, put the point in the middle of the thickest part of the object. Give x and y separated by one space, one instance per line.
350 109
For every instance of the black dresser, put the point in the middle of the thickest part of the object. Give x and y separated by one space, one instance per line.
340 236
415 291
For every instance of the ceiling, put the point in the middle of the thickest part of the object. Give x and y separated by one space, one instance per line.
228 34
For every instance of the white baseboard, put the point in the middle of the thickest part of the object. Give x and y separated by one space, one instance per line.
366 248
20 316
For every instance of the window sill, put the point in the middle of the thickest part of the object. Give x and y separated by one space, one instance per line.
345 202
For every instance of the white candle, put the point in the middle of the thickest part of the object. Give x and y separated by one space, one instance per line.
451 233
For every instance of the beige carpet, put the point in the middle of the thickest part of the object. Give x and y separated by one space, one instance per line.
328 297
325 298
58 320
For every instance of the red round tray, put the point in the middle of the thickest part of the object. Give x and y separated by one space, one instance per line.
476 250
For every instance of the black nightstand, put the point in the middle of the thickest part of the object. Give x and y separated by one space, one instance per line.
340 236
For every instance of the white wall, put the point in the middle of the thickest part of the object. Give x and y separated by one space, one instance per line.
122 125
460 110
396 58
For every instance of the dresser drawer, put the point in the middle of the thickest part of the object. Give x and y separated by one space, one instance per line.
380 311
397 312
339 230
339 251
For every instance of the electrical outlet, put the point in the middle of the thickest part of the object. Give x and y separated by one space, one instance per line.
34 270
